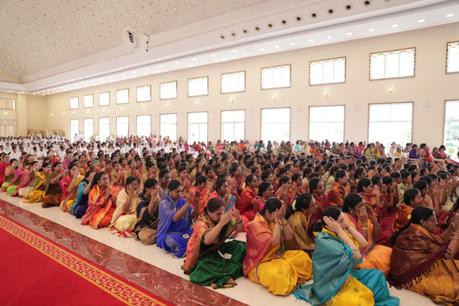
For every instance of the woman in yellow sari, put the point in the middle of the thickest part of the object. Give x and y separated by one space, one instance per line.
266 262
124 218
299 216
362 218
39 185
424 262
100 204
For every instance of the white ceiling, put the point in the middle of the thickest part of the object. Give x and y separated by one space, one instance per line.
85 45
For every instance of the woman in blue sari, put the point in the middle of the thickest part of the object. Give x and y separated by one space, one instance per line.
336 279
175 220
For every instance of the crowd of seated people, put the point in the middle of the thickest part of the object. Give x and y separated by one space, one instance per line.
327 222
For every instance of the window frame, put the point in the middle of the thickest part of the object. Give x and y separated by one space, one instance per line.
98 126
70 128
70 103
136 94
109 98
137 124
331 105
116 126
176 90
84 119
328 59
271 88
116 97
447 55
445 102
290 121
233 110
397 102
188 125
233 92
84 106
188 86
176 124
392 78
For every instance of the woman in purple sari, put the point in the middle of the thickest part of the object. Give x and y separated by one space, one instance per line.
175 221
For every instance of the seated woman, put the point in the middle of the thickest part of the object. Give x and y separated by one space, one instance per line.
26 181
69 186
124 217
100 203
265 191
16 180
362 218
82 196
317 189
411 198
336 279
53 192
37 192
299 216
222 192
424 262
147 212
266 262
175 219
247 198
10 173
210 260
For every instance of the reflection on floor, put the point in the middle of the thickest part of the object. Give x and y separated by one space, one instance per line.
168 281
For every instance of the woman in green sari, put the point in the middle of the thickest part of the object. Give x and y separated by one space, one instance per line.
336 279
209 259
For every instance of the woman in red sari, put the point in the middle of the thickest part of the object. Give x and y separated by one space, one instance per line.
361 217
247 198
265 191
100 203
365 190
285 192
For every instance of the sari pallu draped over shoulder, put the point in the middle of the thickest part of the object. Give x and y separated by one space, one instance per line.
418 264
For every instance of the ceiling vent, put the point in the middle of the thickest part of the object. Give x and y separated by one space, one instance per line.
130 38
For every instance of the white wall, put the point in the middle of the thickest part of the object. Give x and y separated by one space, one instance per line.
428 90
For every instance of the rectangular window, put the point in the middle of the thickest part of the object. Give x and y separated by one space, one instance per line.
74 103
88 101
143 125
104 128
168 126
7 127
74 129
104 98
326 123
233 82
168 90
88 129
451 134
327 71
197 127
233 125
198 86
122 96
390 122
452 64
144 93
7 103
275 124
392 64
122 126
275 77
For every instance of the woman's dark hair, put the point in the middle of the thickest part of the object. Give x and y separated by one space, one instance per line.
417 215
375 180
219 183
283 180
130 180
174 184
214 204
151 182
387 180
55 165
313 183
332 212
263 187
410 195
249 179
358 172
96 178
340 174
201 179
303 201
421 185
351 201
365 182
271 205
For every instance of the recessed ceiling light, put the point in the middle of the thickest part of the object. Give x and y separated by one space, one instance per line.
277 46
234 51
310 40
194 59
349 33
245 55
421 20
329 37
213 55
450 15
395 25
177 62
261 49
371 30
292 43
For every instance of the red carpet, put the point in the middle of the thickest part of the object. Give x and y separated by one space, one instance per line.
36 271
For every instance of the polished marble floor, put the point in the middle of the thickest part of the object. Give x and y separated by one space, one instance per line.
148 266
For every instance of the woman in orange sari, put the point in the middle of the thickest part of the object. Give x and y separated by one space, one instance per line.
411 198
100 203
247 198
266 261
424 262
365 190
362 218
